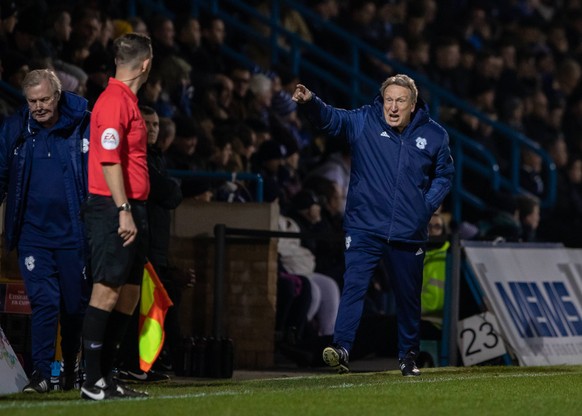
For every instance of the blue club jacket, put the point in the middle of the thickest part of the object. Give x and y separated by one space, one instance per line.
16 134
397 180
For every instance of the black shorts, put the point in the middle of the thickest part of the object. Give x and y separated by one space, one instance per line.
111 263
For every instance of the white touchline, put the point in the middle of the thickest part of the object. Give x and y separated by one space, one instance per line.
426 378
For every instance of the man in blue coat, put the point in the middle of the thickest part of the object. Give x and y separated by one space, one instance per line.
43 177
401 172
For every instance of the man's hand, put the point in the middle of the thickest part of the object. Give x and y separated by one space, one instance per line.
301 94
127 229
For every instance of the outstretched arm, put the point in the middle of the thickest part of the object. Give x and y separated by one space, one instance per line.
301 94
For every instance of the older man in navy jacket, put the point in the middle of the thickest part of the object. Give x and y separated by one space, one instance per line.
43 177
401 172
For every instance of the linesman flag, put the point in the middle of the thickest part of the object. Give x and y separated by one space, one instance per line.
154 304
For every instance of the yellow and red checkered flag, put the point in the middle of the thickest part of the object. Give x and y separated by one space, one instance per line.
154 304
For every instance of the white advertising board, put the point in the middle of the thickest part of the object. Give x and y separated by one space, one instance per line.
13 377
535 291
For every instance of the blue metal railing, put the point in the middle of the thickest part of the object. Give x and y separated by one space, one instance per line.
483 162
231 176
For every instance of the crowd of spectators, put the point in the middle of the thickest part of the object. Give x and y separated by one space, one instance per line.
519 62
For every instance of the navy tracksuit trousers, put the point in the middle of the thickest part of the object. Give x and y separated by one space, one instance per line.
404 263
56 286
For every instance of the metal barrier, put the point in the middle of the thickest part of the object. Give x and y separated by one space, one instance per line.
231 176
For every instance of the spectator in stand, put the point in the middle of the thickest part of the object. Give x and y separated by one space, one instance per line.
121 27
329 255
446 71
182 155
99 69
138 25
241 79
153 95
182 152
511 113
167 134
261 88
419 23
488 67
324 39
479 28
163 37
288 124
244 145
536 122
105 39
289 18
530 173
291 174
357 18
558 150
269 164
558 41
57 34
388 21
396 50
501 223
222 159
564 221
188 38
528 207
418 55
27 32
260 130
15 66
8 19
336 166
330 196
87 26
572 121
209 57
287 78
214 101
176 82
328 11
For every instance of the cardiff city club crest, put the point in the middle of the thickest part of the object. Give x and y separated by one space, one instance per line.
29 263
421 142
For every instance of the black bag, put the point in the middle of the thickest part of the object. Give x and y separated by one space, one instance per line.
208 357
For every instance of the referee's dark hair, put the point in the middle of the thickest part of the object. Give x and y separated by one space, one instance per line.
132 49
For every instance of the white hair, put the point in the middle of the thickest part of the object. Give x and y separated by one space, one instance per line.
260 84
